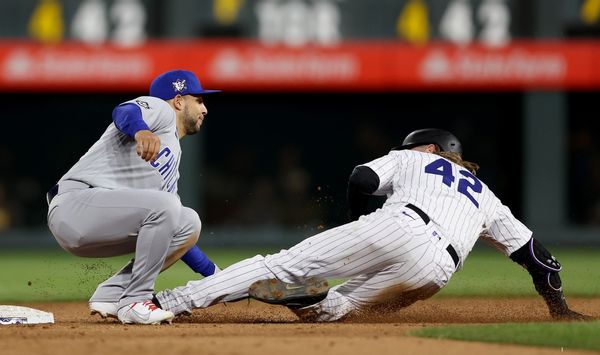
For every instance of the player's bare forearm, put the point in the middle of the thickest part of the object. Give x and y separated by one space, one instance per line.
148 145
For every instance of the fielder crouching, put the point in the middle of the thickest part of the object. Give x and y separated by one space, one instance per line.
121 197
408 250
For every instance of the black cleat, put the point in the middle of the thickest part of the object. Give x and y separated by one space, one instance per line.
294 296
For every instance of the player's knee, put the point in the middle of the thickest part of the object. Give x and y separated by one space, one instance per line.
193 220
190 223
167 210
75 246
69 239
193 238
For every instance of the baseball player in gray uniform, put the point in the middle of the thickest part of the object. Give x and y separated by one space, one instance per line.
408 250
121 196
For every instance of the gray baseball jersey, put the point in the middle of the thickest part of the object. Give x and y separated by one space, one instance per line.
112 162
112 202
393 256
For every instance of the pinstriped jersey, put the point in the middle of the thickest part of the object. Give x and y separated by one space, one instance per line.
458 202
112 162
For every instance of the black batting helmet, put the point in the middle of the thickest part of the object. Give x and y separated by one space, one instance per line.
443 139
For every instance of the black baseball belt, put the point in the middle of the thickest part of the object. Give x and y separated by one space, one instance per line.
64 186
450 249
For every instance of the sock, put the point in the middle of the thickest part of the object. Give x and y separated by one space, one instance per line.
199 262
155 301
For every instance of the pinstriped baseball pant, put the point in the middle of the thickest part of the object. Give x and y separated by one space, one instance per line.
390 258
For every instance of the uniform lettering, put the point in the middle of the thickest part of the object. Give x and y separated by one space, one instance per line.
443 168
166 166
166 152
471 182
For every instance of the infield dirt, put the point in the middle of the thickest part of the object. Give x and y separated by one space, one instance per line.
254 328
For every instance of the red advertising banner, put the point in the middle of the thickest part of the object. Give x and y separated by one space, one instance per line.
352 66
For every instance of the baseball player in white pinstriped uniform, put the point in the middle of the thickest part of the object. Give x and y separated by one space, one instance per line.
435 211
121 197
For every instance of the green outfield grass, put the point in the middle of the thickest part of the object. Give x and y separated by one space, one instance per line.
54 275
488 273
563 336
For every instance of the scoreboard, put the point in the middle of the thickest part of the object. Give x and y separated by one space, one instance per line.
297 22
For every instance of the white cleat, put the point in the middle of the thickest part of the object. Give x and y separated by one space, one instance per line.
144 313
104 309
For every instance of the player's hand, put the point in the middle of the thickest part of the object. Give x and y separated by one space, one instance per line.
571 315
148 145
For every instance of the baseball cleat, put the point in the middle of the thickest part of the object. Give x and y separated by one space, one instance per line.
144 313
104 309
294 296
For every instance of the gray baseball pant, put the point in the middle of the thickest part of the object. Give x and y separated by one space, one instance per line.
98 222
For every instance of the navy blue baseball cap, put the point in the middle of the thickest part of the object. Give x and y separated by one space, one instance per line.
177 82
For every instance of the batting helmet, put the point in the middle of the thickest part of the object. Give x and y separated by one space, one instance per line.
443 139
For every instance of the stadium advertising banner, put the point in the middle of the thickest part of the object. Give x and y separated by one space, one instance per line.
243 65
297 45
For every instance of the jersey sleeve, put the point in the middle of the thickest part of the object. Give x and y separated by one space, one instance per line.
128 119
505 232
385 167
145 112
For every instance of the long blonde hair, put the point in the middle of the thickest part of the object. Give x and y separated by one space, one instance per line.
456 158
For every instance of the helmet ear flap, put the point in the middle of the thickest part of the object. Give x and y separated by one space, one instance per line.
455 147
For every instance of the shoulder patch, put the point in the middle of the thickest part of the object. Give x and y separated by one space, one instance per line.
143 104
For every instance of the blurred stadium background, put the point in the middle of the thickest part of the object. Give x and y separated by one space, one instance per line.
311 89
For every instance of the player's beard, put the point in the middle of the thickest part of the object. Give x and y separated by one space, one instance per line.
190 123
